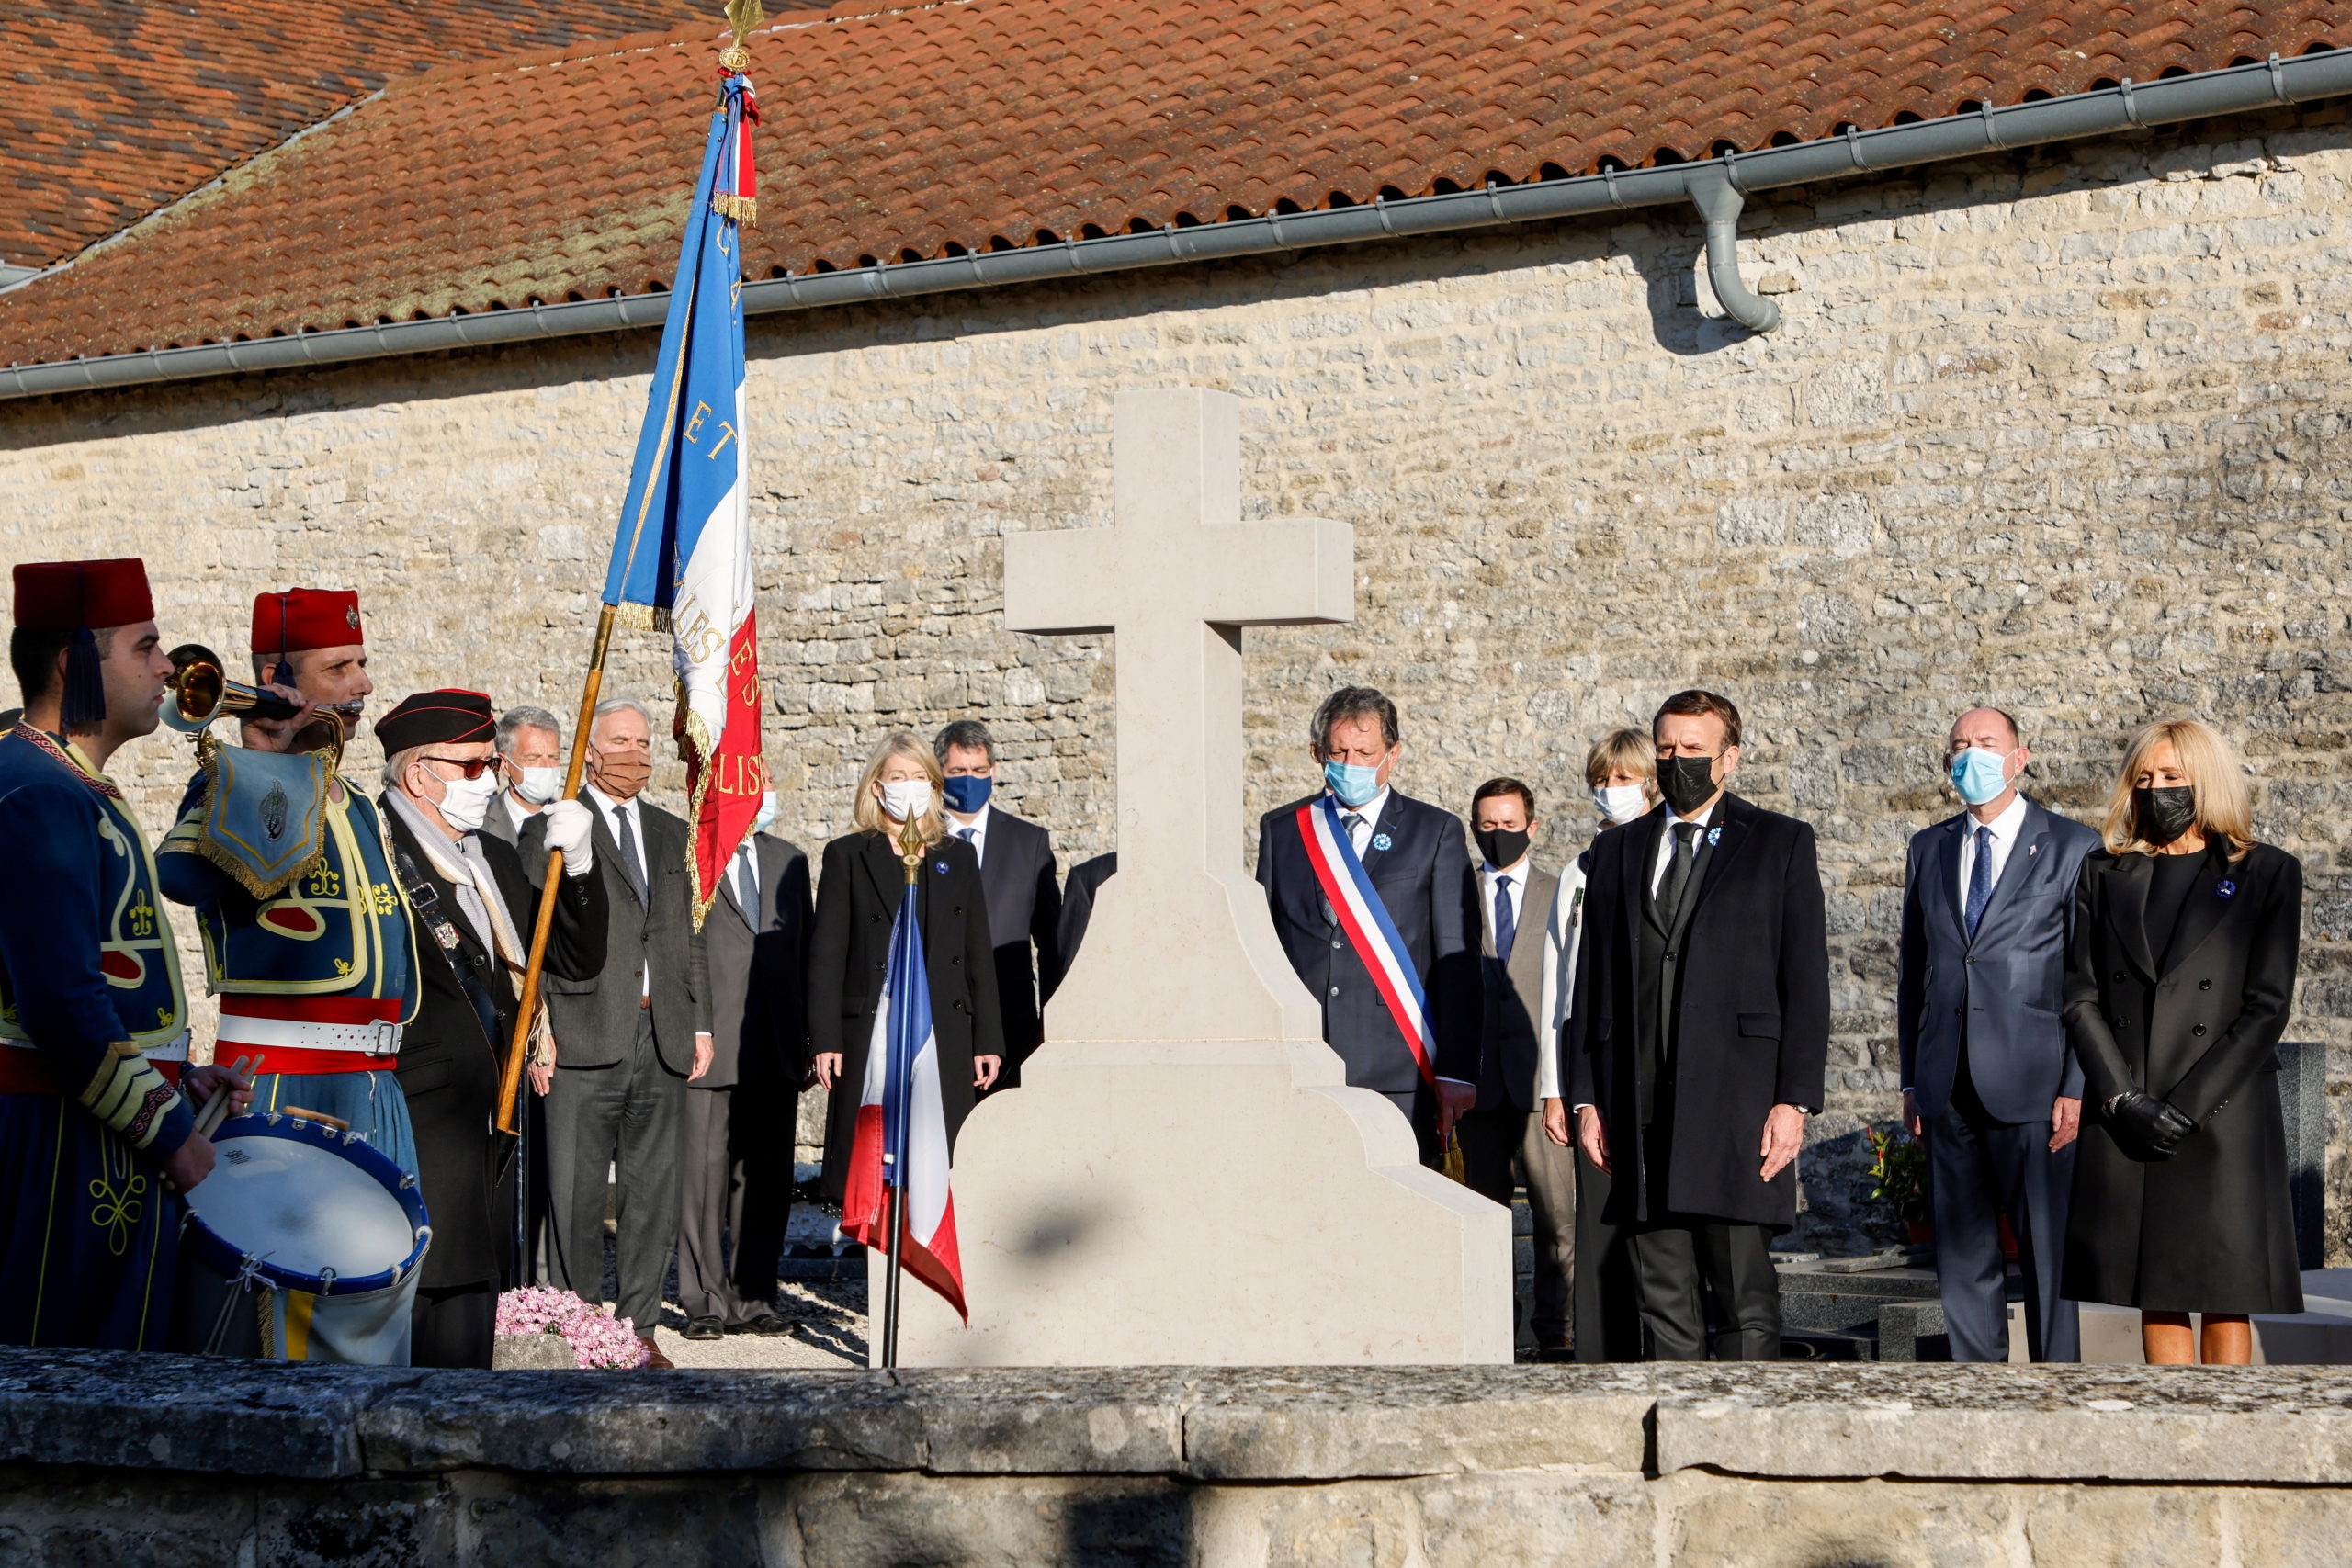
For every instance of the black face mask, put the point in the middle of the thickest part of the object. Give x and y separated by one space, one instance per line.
1502 846
1687 782
2160 816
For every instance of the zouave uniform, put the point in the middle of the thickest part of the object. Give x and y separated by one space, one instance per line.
93 1022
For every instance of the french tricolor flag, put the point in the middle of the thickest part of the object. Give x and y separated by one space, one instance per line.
902 1136
682 560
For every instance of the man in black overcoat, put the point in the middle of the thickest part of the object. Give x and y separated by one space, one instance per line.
1419 864
471 906
1699 1037
1023 882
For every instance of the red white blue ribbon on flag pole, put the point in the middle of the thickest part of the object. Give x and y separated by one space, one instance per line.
1369 930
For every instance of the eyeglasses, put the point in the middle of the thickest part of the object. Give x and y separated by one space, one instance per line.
473 766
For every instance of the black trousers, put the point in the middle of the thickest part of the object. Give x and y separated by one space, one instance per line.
627 1116
1679 1261
453 1327
1978 1171
735 1181
1607 1307
1502 1146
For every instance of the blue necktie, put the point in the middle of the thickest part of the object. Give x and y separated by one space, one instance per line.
1980 880
1506 922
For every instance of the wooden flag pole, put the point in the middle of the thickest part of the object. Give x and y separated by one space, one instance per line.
509 1080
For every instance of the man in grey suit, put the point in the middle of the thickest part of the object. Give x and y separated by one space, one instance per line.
736 1155
1512 897
627 1042
530 765
1990 1084
1021 881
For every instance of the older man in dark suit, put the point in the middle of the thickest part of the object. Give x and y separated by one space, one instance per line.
736 1163
628 1041
1700 1035
1022 883
1990 1084
1413 860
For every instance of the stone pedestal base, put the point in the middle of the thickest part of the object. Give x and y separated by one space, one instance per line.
1211 1203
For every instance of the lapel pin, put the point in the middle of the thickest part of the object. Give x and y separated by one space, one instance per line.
2032 850
2225 889
941 865
1715 836
1383 842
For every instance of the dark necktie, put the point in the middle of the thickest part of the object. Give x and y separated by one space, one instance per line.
747 886
631 862
1506 920
1677 873
970 836
1980 880
1351 822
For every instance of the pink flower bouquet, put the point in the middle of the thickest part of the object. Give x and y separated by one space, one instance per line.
597 1338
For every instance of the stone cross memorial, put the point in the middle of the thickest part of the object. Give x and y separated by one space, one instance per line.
1183 1176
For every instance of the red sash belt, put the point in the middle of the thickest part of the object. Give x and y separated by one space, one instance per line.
311 1035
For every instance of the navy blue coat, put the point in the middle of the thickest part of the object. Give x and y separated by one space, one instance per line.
2002 993
1421 878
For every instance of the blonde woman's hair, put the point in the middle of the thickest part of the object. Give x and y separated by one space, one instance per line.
2216 778
866 811
1623 750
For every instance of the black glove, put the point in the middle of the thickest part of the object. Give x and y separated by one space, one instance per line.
2153 1125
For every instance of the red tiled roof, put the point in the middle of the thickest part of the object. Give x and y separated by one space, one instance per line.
109 110
985 123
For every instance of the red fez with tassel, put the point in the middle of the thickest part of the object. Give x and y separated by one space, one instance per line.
66 595
304 618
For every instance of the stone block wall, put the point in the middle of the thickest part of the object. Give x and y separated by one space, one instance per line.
2054 430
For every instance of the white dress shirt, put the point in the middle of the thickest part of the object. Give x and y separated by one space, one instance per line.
1562 926
2005 828
1665 842
977 830
516 812
1366 818
612 811
1516 892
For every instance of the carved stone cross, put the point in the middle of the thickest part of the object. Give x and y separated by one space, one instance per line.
1180 945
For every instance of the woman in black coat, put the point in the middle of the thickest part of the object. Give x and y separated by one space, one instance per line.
2178 983
858 894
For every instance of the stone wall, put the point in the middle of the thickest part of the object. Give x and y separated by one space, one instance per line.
2054 430
113 1458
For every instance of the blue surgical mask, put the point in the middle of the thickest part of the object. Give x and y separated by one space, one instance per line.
1354 784
761 823
966 793
1978 774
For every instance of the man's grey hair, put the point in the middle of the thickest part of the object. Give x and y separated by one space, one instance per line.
1353 702
611 705
969 733
527 719
396 767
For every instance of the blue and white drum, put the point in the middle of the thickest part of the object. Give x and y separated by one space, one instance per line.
319 1233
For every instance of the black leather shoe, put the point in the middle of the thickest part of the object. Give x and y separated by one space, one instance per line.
705 1328
766 1323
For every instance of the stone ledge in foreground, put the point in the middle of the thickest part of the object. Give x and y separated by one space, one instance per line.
1205 1425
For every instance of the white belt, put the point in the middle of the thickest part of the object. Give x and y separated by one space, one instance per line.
171 1050
300 1034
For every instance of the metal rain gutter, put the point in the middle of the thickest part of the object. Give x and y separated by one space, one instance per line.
1716 185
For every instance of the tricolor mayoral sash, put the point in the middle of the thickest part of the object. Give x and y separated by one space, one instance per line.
1369 930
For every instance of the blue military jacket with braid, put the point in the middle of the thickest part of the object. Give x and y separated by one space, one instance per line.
89 977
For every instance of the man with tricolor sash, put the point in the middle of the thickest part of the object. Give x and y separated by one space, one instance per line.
97 1138
307 937
1366 886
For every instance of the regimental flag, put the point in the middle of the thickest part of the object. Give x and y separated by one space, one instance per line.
682 561
902 1136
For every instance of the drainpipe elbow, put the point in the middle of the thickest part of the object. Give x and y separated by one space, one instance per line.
1719 202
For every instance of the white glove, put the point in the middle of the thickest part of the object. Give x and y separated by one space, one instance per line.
569 827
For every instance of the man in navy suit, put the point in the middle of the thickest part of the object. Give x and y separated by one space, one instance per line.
1989 1083
1419 866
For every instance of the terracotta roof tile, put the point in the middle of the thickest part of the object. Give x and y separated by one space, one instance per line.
915 132
111 110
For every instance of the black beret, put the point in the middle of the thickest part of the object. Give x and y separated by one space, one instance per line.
437 718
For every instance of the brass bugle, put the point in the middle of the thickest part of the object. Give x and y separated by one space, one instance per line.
202 691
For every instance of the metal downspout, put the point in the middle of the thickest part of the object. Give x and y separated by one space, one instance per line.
1714 190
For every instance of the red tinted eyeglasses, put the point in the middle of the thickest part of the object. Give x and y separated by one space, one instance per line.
472 765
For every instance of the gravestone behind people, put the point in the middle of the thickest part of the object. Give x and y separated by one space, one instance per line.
1185 1177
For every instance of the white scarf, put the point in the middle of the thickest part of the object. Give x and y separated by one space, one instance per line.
467 869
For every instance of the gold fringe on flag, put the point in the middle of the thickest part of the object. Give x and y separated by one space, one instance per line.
745 210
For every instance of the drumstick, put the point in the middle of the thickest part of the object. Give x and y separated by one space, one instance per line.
337 1122
216 1109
